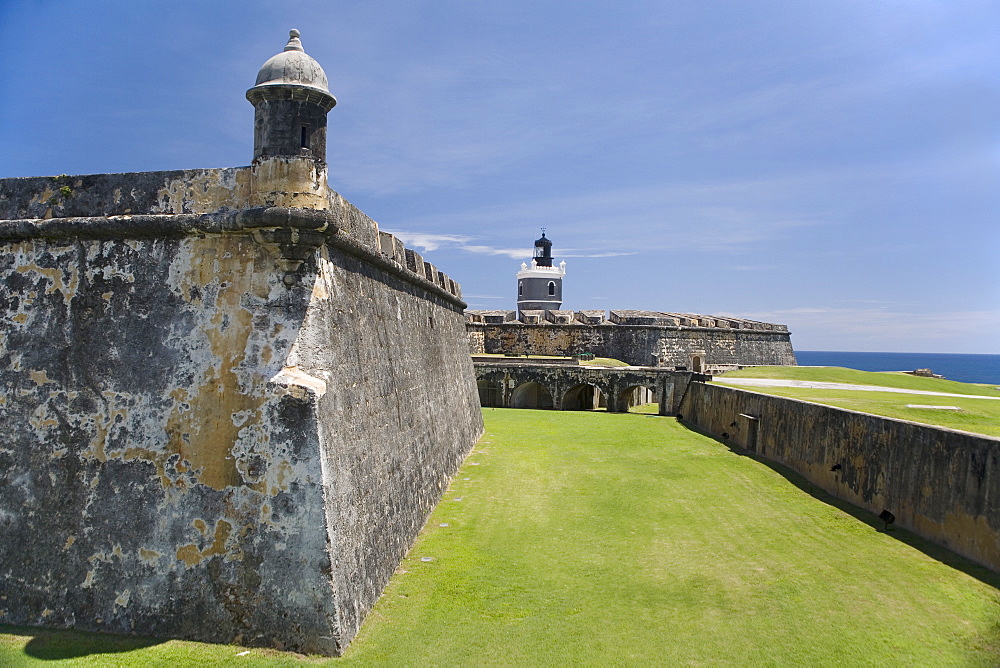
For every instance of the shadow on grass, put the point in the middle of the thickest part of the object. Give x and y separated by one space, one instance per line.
932 550
61 644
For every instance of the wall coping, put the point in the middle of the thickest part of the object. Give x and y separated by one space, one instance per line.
307 222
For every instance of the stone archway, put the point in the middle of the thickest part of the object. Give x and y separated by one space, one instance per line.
639 395
490 394
531 395
583 397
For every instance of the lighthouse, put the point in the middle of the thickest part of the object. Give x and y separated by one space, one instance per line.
539 286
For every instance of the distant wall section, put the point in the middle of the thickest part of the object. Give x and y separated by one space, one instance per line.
648 339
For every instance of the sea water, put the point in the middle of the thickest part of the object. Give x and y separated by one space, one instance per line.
964 368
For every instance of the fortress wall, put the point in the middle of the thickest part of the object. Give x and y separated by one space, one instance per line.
940 483
638 344
400 413
195 449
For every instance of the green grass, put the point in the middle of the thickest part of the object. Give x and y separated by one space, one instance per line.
604 361
981 416
836 374
597 538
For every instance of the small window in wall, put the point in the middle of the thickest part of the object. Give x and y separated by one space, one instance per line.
305 137
520 289
552 288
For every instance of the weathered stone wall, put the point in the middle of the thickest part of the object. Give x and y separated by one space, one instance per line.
939 483
638 344
198 446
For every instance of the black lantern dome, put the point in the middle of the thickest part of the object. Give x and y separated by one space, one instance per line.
543 252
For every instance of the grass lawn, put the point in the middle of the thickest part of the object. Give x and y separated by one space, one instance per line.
837 374
604 361
981 416
597 538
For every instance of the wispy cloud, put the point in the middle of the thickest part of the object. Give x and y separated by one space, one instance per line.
427 241
515 253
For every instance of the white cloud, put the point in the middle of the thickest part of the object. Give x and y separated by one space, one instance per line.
515 253
427 241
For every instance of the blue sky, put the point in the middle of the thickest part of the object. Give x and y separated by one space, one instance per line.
831 165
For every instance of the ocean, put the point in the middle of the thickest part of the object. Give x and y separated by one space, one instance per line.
964 368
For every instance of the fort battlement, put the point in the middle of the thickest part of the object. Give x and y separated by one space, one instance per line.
682 341
190 202
624 317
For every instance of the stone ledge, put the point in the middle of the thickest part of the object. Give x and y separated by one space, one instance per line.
308 227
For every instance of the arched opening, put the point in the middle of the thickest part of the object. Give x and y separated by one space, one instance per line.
520 288
696 363
552 288
583 397
490 394
531 395
641 399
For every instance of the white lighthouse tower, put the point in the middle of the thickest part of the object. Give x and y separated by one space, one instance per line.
539 286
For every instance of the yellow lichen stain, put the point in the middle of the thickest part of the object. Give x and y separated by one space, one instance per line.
102 426
69 542
200 525
47 612
122 600
66 286
88 581
20 318
43 197
40 377
106 296
200 427
192 556
205 192
149 556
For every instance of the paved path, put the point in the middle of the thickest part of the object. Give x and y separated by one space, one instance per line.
772 382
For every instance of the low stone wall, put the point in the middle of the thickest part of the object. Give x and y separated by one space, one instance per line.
940 483
224 427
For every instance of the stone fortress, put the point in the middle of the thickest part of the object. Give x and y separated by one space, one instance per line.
678 341
229 400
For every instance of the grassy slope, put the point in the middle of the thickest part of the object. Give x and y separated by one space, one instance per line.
981 416
599 538
604 361
836 374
